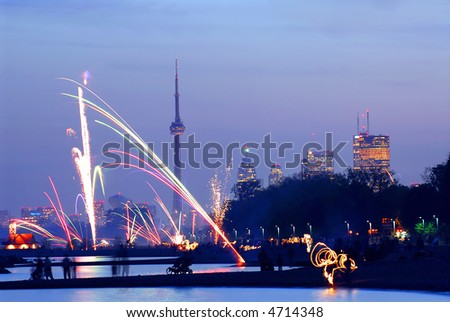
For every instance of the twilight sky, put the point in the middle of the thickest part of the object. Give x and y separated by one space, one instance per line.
292 68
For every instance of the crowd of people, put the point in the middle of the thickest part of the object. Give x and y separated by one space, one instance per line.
43 269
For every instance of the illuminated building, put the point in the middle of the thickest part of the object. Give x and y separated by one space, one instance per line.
247 184
275 175
99 213
4 218
177 128
41 216
317 163
20 241
48 213
75 219
371 153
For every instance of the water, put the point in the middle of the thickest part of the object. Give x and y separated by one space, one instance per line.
23 273
219 294
195 294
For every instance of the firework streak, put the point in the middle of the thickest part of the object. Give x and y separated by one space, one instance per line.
157 169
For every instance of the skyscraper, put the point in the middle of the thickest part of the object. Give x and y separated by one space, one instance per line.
99 213
275 175
371 153
4 218
247 184
317 163
176 129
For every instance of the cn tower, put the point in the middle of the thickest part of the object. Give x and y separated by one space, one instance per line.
176 129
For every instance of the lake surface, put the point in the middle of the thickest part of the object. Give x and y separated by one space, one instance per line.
23 273
194 294
218 294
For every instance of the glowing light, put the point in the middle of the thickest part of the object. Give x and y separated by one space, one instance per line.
38 230
71 132
323 256
86 75
144 228
83 164
220 201
157 169
307 239
69 229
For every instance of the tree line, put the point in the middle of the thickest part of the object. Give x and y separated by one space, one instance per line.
327 204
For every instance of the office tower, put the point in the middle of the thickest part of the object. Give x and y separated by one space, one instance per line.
318 164
4 218
371 153
247 184
275 175
99 213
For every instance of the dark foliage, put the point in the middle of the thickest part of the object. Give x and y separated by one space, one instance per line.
326 203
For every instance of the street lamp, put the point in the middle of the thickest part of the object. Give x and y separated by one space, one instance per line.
370 228
348 227
423 224
293 230
393 224
310 228
262 232
278 232
235 234
437 222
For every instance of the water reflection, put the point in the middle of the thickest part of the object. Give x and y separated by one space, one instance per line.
219 294
89 271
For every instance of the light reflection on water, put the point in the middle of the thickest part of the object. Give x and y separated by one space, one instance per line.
23 273
193 294
219 294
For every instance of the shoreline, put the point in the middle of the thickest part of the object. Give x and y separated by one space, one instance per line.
413 270
382 276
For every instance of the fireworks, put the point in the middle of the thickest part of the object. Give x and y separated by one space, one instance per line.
220 201
69 229
85 76
71 132
323 256
83 164
138 224
156 169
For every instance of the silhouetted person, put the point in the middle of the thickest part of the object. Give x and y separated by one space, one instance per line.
123 254
48 268
280 262
270 266
263 260
187 261
38 273
114 269
348 270
66 267
74 268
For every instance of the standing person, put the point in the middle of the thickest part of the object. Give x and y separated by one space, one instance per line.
74 268
38 273
280 262
66 267
263 260
48 268
125 264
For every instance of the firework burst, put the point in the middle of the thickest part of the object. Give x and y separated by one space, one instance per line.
157 169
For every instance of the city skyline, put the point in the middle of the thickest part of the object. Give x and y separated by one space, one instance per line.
274 76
